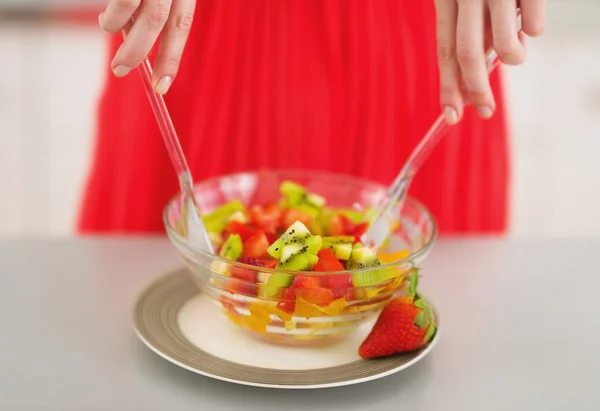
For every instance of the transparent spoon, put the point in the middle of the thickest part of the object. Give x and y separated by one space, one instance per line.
390 205
196 231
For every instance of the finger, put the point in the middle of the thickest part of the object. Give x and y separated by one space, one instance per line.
451 97
117 14
471 58
172 43
143 34
505 31
533 17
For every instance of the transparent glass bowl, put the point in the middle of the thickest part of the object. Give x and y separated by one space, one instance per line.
240 289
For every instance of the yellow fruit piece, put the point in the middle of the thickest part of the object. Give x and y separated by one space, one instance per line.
306 309
336 307
372 292
391 257
285 317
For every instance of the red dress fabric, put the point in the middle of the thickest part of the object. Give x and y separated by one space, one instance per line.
349 86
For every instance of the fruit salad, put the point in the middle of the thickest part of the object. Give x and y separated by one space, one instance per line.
301 270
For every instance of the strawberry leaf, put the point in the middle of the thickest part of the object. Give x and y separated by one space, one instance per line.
424 318
414 282
430 332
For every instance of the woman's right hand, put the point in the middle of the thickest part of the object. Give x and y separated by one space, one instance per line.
172 19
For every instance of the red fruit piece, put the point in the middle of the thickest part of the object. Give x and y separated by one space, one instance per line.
266 218
236 286
319 295
359 231
306 281
348 226
256 245
405 324
287 303
318 267
235 227
335 226
328 260
309 288
246 274
337 283
290 216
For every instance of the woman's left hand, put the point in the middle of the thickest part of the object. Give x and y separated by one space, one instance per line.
465 29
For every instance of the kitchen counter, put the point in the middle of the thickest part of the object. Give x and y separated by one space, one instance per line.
520 317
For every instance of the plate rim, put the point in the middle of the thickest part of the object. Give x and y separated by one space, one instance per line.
351 381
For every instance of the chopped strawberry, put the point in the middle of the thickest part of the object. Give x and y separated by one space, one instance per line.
290 216
272 237
306 281
337 283
270 263
246 274
347 224
319 295
235 286
359 231
235 227
328 260
318 267
256 245
287 303
266 218
335 226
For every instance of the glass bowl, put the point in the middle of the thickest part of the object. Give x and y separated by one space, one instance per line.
304 318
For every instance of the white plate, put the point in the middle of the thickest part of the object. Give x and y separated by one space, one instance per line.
188 329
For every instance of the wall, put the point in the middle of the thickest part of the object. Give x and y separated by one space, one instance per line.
51 76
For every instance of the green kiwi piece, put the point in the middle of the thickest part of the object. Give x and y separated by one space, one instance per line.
302 262
232 248
297 232
364 257
277 281
296 196
341 246
216 221
311 245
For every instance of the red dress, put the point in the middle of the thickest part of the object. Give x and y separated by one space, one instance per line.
348 86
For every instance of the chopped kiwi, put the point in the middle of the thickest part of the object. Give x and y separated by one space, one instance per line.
353 215
296 233
297 196
311 245
364 257
217 220
341 246
232 248
302 262
277 281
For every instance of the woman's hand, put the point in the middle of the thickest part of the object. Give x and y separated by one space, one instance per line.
172 19
465 29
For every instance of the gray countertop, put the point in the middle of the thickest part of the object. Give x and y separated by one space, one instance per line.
521 332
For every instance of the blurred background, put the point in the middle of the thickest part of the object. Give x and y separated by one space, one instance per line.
52 55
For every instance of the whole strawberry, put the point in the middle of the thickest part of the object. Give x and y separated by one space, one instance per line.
405 324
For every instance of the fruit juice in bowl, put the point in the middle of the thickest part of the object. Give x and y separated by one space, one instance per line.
289 266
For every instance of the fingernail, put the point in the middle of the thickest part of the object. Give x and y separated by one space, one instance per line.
450 115
101 20
485 112
121 71
163 85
